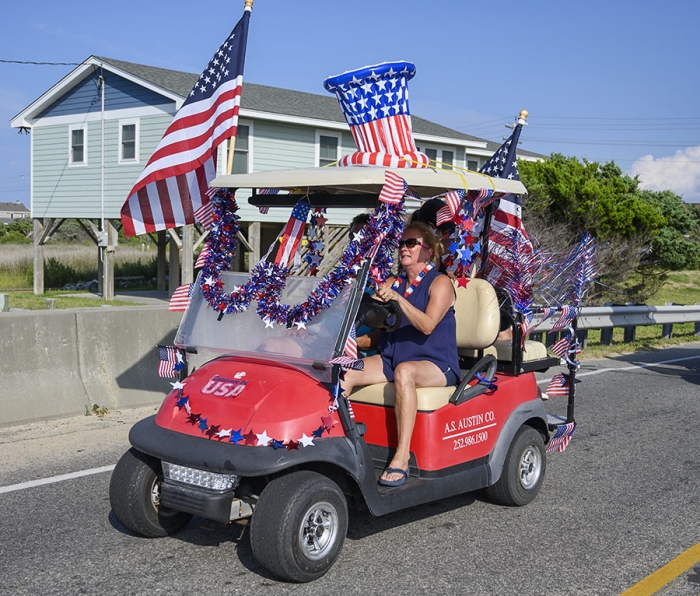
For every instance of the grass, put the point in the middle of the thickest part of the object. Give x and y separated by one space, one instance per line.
26 300
647 338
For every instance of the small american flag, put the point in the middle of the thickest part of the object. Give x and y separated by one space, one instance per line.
568 314
292 233
199 263
394 188
443 215
266 191
558 386
173 185
482 199
167 357
205 214
454 200
561 437
180 299
349 359
561 348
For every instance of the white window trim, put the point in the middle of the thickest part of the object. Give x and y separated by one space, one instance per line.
224 147
468 157
78 126
317 145
137 148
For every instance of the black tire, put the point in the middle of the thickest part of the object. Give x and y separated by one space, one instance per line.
523 470
134 493
299 526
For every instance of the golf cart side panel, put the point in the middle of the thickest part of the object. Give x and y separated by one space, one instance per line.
246 461
457 480
452 434
247 395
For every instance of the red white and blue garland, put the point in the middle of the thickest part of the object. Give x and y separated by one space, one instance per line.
380 238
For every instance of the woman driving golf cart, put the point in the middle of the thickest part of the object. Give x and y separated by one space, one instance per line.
422 352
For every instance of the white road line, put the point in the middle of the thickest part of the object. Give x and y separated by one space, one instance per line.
53 479
644 365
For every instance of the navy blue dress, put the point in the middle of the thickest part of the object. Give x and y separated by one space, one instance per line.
408 344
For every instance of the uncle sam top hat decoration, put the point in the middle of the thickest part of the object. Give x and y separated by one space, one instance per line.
374 100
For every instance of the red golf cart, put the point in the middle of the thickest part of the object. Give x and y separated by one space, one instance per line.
259 429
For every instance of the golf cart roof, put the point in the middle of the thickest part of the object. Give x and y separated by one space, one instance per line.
361 180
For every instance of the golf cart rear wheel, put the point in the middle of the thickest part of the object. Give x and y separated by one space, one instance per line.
299 526
134 493
523 470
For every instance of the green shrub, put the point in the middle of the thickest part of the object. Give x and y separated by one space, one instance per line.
57 275
14 237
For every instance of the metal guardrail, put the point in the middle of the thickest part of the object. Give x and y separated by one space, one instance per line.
603 317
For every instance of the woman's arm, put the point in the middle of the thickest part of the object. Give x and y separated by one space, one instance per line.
442 297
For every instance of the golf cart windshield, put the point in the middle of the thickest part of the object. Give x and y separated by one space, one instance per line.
246 334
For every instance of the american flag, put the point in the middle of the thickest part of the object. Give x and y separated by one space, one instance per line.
167 357
443 216
568 314
199 263
561 348
181 297
507 218
454 200
562 437
558 386
173 185
266 191
292 233
394 188
349 359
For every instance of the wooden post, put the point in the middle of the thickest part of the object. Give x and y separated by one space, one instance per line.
161 262
107 259
174 269
38 257
187 255
254 237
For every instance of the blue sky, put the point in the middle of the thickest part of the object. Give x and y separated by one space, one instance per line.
602 80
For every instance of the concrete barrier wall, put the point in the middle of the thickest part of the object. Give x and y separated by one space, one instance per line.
54 364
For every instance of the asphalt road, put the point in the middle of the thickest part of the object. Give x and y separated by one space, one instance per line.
620 503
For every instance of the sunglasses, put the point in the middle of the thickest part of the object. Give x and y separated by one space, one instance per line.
411 243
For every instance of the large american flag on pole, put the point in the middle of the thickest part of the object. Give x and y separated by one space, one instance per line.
507 218
173 185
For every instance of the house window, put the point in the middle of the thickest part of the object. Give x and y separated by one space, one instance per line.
472 165
431 153
327 150
443 158
78 152
448 159
241 152
128 141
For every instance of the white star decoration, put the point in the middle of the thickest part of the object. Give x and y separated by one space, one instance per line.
263 439
306 441
178 385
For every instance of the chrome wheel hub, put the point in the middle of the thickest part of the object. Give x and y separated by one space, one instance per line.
530 468
319 530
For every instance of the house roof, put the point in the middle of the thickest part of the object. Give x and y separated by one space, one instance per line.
262 99
15 207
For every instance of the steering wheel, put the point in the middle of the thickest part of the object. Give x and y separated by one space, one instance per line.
376 314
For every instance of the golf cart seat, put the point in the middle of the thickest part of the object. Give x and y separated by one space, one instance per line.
478 320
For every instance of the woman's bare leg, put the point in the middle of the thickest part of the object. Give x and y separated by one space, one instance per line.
408 376
373 373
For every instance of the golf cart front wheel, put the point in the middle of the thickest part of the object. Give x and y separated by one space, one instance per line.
523 470
134 493
299 526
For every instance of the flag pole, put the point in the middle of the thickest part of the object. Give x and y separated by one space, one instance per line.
232 139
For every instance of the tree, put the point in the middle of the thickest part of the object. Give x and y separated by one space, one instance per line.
645 233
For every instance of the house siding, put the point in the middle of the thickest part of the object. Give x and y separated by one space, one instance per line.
86 97
63 190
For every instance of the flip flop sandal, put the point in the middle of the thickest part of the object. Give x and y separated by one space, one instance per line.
398 482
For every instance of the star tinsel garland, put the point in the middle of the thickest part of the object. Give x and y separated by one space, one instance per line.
379 239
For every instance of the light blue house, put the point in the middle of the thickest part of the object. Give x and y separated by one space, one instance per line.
93 132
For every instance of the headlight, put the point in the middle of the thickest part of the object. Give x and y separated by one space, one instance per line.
194 477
